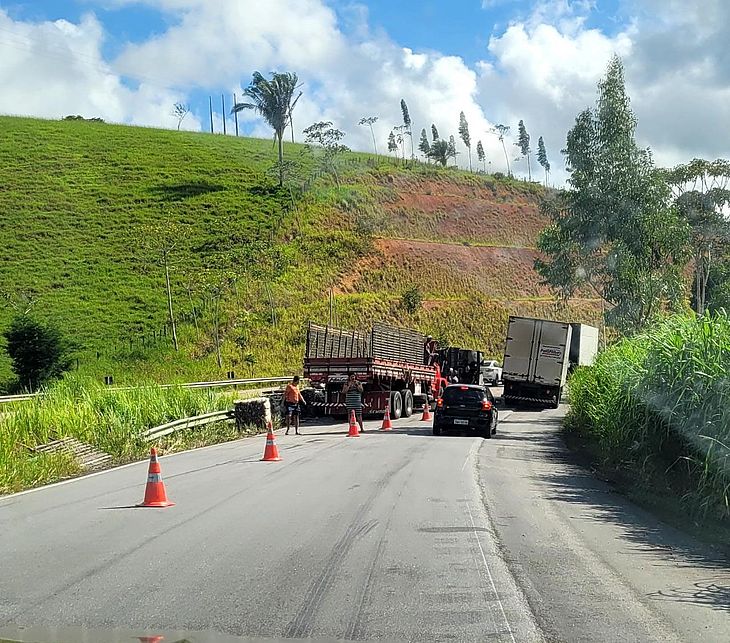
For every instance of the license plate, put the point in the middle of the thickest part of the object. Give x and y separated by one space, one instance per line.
464 422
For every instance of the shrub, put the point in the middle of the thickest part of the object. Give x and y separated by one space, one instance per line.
412 299
38 351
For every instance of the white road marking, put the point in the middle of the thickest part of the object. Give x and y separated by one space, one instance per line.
489 573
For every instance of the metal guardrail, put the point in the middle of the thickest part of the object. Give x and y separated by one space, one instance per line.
214 384
187 423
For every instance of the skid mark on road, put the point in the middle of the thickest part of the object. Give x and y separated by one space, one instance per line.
302 625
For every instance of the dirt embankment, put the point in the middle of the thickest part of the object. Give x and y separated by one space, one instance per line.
488 213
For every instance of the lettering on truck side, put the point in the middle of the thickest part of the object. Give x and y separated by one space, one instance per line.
555 352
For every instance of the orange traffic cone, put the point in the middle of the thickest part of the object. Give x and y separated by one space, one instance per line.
426 412
387 426
154 493
353 432
271 452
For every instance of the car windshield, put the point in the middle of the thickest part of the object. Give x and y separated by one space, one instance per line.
214 213
461 395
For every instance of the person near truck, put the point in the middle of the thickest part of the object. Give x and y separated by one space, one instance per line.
293 400
430 351
352 390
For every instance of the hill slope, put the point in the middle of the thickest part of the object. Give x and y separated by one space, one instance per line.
78 200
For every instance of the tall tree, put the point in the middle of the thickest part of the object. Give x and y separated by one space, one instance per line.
614 230
159 245
423 145
542 158
439 152
501 131
407 124
273 101
481 156
434 133
452 148
700 189
392 145
464 134
523 142
370 121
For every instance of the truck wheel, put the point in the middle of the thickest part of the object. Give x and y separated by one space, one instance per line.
556 403
407 398
396 406
436 429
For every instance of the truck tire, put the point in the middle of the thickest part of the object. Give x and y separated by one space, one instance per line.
396 406
556 403
407 398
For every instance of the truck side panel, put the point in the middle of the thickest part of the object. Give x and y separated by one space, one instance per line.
519 349
550 365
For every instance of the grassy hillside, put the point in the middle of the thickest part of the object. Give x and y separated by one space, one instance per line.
77 198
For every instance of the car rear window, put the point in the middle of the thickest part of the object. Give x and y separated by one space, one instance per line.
458 394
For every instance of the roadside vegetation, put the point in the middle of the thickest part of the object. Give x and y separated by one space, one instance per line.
112 421
657 407
653 245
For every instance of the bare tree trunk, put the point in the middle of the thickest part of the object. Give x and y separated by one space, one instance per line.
192 310
279 136
506 158
216 330
529 169
375 145
169 305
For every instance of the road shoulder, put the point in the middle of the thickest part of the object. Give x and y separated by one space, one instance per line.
593 565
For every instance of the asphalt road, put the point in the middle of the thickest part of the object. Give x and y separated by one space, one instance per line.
398 536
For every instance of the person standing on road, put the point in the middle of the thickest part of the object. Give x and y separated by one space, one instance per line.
293 400
352 390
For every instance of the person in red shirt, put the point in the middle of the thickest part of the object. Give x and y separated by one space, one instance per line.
292 401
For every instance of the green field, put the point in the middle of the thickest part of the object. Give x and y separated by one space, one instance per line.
77 198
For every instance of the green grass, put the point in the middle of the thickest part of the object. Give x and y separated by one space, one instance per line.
657 407
75 198
112 421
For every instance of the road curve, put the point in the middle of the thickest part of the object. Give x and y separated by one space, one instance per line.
398 536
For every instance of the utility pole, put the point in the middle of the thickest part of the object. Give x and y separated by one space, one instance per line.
210 101
235 114
223 108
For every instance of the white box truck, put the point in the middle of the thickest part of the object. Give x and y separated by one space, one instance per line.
583 345
536 360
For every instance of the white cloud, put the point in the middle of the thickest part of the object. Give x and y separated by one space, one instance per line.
543 67
53 69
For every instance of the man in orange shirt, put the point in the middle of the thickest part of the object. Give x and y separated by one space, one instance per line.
293 400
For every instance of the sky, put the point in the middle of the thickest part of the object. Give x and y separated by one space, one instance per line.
499 61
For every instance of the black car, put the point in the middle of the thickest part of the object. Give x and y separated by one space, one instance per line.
466 407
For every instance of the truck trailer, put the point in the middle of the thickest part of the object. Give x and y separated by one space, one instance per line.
536 361
390 362
583 345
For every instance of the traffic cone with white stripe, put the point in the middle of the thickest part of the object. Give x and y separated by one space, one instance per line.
387 425
271 451
353 432
426 412
154 493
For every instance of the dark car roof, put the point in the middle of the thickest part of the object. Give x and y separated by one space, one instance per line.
477 387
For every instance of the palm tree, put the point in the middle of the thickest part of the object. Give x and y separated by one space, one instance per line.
272 100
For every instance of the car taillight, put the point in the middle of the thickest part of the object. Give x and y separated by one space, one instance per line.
440 402
486 405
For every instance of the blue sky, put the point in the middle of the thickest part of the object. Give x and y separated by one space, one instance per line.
499 61
453 27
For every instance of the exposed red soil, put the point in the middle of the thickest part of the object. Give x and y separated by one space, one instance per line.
442 210
501 273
